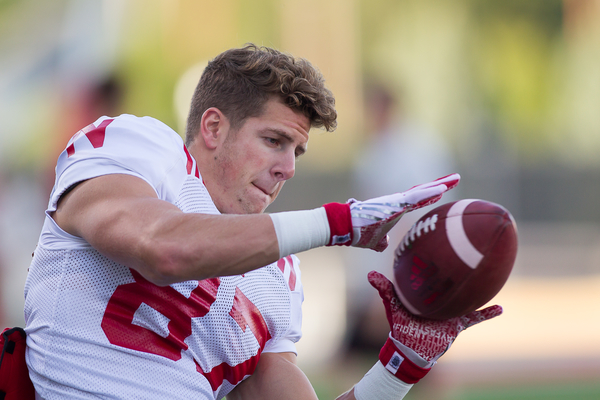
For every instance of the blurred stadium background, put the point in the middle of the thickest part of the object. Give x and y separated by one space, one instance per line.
505 92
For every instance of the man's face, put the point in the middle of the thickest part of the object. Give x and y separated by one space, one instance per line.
255 161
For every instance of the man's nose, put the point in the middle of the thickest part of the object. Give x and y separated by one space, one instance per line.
286 167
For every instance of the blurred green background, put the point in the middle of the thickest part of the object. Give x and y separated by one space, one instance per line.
505 92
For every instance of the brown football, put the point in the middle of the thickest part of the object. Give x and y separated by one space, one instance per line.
455 258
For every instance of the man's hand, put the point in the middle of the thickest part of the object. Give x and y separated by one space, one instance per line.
416 343
367 223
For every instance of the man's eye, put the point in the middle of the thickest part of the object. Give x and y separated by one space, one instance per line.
273 141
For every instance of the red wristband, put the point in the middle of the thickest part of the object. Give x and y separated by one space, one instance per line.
340 224
401 367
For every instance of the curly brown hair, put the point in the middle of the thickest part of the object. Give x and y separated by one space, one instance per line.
240 81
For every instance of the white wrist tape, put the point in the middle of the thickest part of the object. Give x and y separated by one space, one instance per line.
380 384
301 230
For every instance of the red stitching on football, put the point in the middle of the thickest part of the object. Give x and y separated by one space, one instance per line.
455 258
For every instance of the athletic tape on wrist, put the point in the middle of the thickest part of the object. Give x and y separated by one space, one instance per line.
379 384
398 364
300 230
340 224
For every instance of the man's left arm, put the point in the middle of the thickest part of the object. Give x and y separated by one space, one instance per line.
276 377
406 357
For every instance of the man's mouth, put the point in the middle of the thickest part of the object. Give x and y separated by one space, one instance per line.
262 190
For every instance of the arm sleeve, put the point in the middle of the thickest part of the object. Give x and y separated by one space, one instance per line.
293 335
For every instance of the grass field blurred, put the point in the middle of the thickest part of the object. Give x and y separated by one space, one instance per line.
549 391
445 383
571 391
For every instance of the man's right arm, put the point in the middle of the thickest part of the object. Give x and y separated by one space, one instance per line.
121 217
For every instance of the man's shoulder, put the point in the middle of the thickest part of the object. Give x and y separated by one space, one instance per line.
115 132
126 135
139 146
145 126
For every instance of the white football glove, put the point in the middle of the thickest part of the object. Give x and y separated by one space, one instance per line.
367 223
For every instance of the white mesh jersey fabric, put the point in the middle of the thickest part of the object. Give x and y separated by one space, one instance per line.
97 329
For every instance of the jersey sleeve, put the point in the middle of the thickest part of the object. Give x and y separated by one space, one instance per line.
140 146
290 266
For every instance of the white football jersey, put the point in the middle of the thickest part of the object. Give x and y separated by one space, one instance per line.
97 329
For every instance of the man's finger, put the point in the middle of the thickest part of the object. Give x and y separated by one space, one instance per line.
382 284
449 180
476 317
425 194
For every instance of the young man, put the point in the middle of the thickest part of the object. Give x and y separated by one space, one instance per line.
158 276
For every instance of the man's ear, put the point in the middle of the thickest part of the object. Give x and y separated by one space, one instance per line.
213 127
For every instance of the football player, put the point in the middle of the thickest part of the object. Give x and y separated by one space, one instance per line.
157 274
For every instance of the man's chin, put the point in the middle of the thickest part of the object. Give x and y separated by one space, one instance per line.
257 207
261 209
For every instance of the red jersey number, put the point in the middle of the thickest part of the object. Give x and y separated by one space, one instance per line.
117 322
95 135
